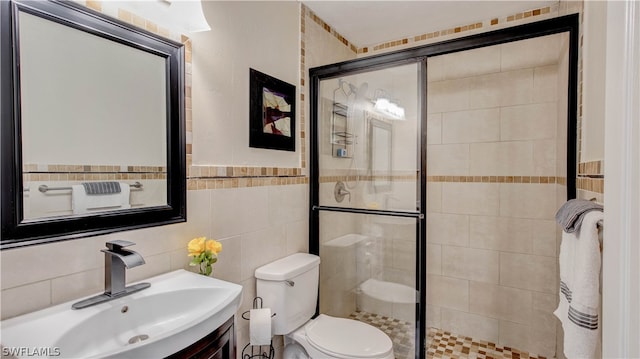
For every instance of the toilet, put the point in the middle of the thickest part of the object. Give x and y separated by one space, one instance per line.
289 286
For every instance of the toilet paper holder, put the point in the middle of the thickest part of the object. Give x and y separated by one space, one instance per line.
257 351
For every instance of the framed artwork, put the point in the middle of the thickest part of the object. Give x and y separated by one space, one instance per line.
272 113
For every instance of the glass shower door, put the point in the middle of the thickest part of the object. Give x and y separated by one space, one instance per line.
367 203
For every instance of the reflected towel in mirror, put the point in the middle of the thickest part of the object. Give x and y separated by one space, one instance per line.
82 202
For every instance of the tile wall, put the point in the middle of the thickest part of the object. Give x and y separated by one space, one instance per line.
493 114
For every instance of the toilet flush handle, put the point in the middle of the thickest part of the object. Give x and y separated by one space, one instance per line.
290 283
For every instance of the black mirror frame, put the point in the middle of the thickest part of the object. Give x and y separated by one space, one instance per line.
15 231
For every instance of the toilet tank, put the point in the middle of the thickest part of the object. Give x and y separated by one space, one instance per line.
289 286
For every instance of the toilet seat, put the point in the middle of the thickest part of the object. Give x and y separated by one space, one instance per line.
347 338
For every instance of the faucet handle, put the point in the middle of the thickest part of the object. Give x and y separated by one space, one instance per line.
118 244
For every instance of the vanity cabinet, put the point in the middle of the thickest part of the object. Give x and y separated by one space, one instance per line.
219 344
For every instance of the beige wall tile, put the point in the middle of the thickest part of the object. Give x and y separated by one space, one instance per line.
545 302
544 157
471 325
544 234
529 272
533 52
501 158
297 234
286 203
404 255
77 285
485 91
545 84
448 292
515 335
470 198
24 299
527 200
434 259
261 247
516 87
528 122
229 264
154 265
500 302
239 210
451 95
461 64
471 126
501 233
17 271
434 197
434 129
469 263
452 159
449 229
433 316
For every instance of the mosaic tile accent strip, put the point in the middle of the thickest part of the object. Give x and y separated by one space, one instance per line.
401 333
458 29
35 177
591 168
398 178
499 179
53 168
242 182
590 184
443 344
315 18
237 171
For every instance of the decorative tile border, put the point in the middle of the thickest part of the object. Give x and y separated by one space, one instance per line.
42 177
400 178
83 169
315 18
591 168
236 171
242 182
499 179
453 179
590 184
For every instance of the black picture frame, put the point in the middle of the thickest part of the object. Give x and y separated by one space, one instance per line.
271 127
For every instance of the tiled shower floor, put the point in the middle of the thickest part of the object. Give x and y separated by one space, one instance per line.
440 344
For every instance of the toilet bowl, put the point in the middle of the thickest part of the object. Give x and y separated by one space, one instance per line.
333 338
289 286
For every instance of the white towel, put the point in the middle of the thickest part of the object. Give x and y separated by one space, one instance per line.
81 202
580 288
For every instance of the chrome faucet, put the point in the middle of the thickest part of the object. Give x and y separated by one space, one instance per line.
116 260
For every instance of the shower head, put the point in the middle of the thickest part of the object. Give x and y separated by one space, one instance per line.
361 91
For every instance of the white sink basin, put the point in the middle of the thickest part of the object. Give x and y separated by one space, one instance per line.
178 309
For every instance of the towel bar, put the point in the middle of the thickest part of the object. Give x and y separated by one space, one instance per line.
44 188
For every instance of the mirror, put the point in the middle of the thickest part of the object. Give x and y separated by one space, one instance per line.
92 124
380 145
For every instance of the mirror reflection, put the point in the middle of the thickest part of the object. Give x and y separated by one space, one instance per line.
94 115
380 149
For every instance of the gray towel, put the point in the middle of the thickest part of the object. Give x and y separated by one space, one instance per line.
92 188
570 215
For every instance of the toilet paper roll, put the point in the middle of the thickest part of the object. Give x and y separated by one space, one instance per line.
260 326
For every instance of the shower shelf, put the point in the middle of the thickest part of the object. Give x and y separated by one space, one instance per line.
341 138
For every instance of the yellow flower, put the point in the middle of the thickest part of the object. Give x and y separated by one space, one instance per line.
214 246
196 246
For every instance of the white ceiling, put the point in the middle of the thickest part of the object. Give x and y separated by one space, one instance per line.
367 23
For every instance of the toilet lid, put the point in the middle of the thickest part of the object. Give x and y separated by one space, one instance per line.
341 337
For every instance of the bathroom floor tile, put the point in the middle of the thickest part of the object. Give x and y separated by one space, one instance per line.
401 333
440 343
446 345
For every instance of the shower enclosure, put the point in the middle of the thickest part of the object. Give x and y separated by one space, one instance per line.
435 175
